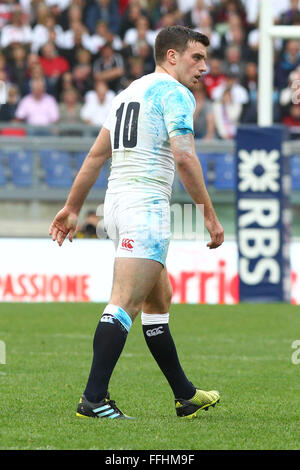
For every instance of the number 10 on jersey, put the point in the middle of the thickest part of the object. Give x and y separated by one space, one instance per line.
130 123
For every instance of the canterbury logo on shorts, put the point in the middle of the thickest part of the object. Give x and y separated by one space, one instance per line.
127 244
156 331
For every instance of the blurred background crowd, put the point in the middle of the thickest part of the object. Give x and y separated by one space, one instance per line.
64 60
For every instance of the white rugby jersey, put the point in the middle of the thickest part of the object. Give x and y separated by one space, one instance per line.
141 121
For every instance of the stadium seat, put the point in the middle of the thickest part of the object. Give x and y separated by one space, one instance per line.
295 172
2 175
224 171
21 166
101 182
57 167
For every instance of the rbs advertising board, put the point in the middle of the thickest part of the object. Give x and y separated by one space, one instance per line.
263 215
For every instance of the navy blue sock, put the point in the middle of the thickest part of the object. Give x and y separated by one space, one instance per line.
160 342
109 340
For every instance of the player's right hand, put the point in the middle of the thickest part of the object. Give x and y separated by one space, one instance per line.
64 224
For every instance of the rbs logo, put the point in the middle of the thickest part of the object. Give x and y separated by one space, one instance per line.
262 243
259 217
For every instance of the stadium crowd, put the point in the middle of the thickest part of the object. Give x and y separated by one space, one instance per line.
64 60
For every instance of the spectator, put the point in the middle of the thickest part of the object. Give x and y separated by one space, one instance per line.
109 67
287 17
135 71
84 57
141 31
131 15
75 38
103 10
226 114
250 80
37 108
92 97
204 123
142 50
17 32
214 37
39 30
82 78
45 30
215 76
65 83
8 110
223 12
194 18
4 79
5 14
53 64
69 108
3 63
292 120
74 12
234 63
37 73
95 112
292 91
288 62
239 94
236 36
32 60
18 67
102 36
168 7
59 9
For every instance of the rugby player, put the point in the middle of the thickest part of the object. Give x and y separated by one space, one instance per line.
148 132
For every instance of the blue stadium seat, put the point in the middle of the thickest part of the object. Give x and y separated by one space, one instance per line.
224 171
57 167
21 166
101 182
2 175
295 172
204 159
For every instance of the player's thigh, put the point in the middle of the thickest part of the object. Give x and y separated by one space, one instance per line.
134 279
159 299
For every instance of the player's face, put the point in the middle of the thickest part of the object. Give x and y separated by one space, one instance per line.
191 64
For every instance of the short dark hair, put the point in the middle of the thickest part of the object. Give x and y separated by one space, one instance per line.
176 37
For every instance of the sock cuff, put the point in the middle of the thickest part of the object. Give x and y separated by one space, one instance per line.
119 314
154 318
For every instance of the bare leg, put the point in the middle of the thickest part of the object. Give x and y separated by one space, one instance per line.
134 279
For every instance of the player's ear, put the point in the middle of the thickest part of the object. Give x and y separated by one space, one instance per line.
172 56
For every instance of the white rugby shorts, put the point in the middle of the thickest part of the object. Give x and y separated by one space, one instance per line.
138 224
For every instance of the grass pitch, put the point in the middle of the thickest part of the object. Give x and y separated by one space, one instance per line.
243 351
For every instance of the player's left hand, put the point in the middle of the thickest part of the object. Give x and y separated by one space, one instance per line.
216 232
64 224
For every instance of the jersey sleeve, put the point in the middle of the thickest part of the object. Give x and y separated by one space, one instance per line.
108 123
178 110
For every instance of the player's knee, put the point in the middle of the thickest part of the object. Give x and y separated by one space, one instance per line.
132 308
158 305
